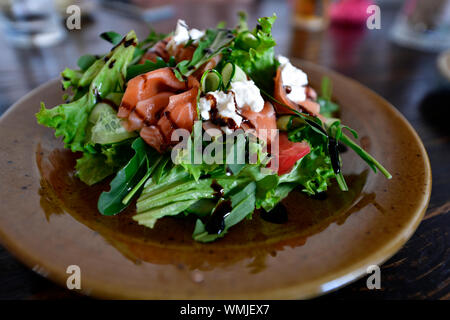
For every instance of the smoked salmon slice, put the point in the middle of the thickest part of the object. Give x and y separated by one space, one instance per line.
158 50
179 53
156 103
146 86
260 123
280 95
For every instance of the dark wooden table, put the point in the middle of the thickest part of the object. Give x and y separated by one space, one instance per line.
407 78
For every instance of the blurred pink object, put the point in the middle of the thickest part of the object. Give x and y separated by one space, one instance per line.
352 12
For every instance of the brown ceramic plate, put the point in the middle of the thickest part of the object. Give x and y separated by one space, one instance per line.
49 218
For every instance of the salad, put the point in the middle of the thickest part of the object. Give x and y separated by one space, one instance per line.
206 123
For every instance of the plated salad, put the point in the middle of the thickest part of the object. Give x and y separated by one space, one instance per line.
206 123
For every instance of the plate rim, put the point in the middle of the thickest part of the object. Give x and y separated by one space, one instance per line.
314 288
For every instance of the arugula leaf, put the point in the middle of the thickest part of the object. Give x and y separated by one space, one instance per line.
327 107
91 73
85 61
143 46
141 164
112 37
147 66
209 46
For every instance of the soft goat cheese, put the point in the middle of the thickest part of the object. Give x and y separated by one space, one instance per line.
182 35
246 93
295 78
228 104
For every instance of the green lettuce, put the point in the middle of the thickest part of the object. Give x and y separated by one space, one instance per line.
253 51
70 120
105 161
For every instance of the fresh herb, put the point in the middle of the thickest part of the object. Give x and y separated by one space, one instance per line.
84 62
147 66
209 46
129 179
327 107
112 37
143 46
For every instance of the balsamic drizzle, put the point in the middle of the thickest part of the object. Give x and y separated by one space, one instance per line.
216 222
278 214
218 189
333 147
334 155
111 64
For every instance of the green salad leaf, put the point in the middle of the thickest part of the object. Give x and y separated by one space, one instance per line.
327 107
253 52
209 46
85 61
147 66
129 179
112 37
91 168
107 159
70 120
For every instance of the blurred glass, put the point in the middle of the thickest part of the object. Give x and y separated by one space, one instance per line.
423 25
310 14
31 23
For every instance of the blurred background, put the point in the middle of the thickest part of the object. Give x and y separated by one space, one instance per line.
398 48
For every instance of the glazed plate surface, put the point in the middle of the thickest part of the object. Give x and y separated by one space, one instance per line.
49 218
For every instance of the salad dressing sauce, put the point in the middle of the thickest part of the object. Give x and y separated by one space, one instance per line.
170 242
111 64
218 190
216 222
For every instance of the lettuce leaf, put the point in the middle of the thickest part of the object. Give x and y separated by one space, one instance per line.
253 52
70 120
94 167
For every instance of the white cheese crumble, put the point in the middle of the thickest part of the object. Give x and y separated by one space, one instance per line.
182 35
226 108
247 94
229 104
204 106
295 78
